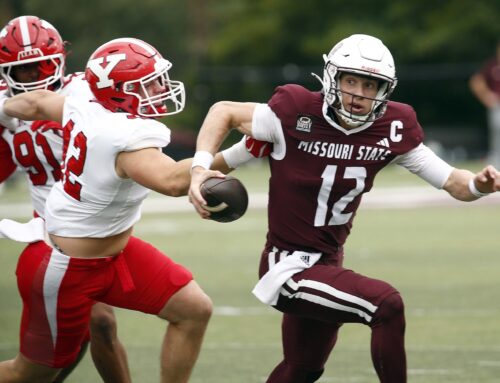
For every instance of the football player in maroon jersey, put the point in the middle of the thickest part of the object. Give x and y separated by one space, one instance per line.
32 56
327 148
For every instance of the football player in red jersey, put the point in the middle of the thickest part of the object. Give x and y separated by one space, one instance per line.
328 147
32 56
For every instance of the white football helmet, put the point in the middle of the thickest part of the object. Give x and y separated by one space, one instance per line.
362 55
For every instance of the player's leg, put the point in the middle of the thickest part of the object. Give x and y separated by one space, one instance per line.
337 295
21 370
65 372
161 287
307 343
188 313
108 353
54 319
387 342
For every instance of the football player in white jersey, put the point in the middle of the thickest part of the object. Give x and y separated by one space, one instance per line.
111 159
32 56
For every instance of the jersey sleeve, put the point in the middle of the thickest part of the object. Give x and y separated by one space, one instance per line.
423 162
287 101
76 86
146 134
266 126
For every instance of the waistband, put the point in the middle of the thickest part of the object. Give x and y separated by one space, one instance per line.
118 261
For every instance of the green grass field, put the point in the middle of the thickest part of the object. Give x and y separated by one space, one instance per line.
445 261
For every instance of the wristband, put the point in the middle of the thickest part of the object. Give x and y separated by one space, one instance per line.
202 158
237 154
473 189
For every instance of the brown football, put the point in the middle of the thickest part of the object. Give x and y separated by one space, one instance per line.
227 198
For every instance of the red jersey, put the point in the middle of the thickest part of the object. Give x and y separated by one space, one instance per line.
8 166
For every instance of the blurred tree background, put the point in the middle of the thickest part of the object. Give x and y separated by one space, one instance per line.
242 49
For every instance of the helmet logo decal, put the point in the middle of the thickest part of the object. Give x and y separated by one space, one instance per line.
23 55
102 72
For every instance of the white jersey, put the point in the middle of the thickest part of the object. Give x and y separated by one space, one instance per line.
38 151
92 200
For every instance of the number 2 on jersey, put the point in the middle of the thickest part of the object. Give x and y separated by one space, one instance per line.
328 176
74 164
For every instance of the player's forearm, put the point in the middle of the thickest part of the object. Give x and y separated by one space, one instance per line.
178 179
457 185
24 105
215 128
483 93
220 164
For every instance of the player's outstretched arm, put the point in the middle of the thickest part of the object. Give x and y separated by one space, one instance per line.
35 105
466 186
221 118
157 171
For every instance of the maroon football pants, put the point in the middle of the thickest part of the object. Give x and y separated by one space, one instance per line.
317 301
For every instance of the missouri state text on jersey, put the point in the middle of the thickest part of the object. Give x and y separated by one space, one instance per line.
321 158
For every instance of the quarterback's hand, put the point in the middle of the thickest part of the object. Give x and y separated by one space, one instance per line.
198 176
488 180
258 148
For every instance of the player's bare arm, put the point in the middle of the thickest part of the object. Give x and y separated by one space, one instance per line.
157 171
220 120
480 88
35 105
485 182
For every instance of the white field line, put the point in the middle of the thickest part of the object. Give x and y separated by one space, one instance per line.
412 312
379 198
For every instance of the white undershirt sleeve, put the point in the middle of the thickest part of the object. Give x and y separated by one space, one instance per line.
423 162
266 126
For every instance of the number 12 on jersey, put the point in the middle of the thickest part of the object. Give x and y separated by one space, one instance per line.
74 164
328 176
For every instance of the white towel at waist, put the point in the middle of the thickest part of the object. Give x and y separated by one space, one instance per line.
32 231
267 290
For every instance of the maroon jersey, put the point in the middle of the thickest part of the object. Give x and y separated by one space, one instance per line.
317 187
491 73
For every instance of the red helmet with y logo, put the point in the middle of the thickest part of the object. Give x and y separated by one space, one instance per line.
129 75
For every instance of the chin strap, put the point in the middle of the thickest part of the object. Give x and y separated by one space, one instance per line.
318 78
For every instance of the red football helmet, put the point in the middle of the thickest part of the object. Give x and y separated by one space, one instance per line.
129 75
26 40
